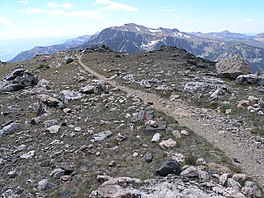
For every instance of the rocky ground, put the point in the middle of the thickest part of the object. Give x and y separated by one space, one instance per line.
106 124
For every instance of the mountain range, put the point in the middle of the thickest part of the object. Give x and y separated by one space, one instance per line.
133 38
69 44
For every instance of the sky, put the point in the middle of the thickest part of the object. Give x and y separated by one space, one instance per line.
50 18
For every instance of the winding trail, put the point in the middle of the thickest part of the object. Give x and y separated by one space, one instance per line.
211 127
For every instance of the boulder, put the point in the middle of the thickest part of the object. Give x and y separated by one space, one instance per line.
232 67
169 167
18 79
167 144
101 88
248 79
251 189
190 172
89 89
67 96
49 101
10 128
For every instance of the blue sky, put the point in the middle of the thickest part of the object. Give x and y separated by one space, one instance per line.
44 18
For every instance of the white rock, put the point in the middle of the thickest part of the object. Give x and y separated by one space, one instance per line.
156 137
176 134
42 184
56 142
77 129
54 129
223 179
167 143
233 184
190 172
200 161
203 175
184 132
28 155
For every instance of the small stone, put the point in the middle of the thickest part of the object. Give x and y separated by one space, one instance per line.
120 137
83 147
42 184
12 174
135 154
241 178
77 129
176 134
89 89
112 163
167 144
156 138
184 132
153 123
201 161
65 178
203 175
228 111
56 142
57 173
20 148
148 157
28 155
190 172
178 157
67 110
233 184
223 179
53 129
2 161
101 136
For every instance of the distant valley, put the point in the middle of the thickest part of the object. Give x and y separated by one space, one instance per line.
133 38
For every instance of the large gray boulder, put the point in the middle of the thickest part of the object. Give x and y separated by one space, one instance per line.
232 67
10 128
18 79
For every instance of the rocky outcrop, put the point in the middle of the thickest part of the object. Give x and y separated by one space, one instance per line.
250 79
232 67
171 186
18 79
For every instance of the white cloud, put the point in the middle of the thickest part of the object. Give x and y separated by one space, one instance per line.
52 5
67 5
23 2
56 12
5 21
110 5
32 10
57 5
85 14
248 20
195 20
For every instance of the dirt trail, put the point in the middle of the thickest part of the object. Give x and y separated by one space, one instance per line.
251 159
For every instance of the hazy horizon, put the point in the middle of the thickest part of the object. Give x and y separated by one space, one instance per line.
47 18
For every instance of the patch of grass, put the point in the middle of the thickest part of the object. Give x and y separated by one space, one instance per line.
42 67
190 160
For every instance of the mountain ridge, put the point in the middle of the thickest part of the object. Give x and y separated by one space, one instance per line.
134 38
29 54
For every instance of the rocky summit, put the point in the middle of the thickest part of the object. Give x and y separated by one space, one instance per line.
98 123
